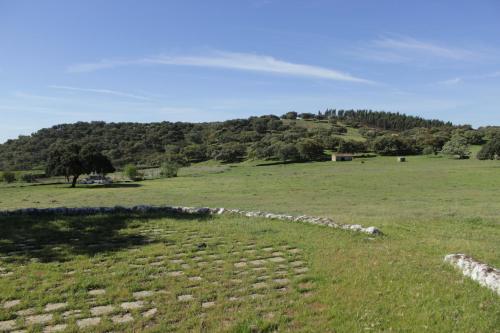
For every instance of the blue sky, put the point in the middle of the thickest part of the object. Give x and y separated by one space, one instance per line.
67 61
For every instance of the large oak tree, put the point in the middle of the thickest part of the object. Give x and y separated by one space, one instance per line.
72 160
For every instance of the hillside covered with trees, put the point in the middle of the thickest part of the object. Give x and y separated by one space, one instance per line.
264 137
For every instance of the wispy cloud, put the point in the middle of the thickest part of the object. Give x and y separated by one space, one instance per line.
451 82
103 64
102 91
415 45
229 60
398 48
462 79
490 75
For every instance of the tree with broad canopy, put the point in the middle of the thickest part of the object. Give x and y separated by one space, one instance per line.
72 160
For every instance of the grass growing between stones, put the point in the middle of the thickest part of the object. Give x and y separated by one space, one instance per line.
181 273
192 273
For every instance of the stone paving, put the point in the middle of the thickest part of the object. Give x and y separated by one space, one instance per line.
182 268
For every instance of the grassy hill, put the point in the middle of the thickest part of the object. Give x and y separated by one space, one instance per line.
313 124
263 137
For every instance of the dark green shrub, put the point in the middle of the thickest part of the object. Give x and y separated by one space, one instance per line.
195 153
131 172
351 146
288 152
28 177
169 169
230 153
310 150
8 176
490 151
393 145
290 115
428 150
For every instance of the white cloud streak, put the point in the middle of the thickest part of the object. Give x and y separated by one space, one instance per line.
413 45
102 91
229 60
494 74
457 80
451 82
404 49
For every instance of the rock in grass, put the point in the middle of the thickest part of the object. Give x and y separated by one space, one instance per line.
97 292
55 306
7 325
185 298
87 322
120 319
143 294
39 319
484 274
150 313
132 305
11 304
102 310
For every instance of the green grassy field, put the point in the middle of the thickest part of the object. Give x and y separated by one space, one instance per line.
427 208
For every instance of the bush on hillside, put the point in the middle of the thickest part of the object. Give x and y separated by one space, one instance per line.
131 172
474 137
169 169
428 150
196 153
456 147
393 145
229 153
28 177
290 115
8 176
288 152
351 146
490 151
310 150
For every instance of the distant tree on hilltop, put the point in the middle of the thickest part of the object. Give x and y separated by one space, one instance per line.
290 115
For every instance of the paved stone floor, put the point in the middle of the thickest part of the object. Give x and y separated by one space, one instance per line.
176 278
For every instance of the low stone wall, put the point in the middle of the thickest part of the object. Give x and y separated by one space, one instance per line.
304 218
189 210
485 275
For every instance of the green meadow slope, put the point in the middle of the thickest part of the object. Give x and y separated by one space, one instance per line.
427 208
